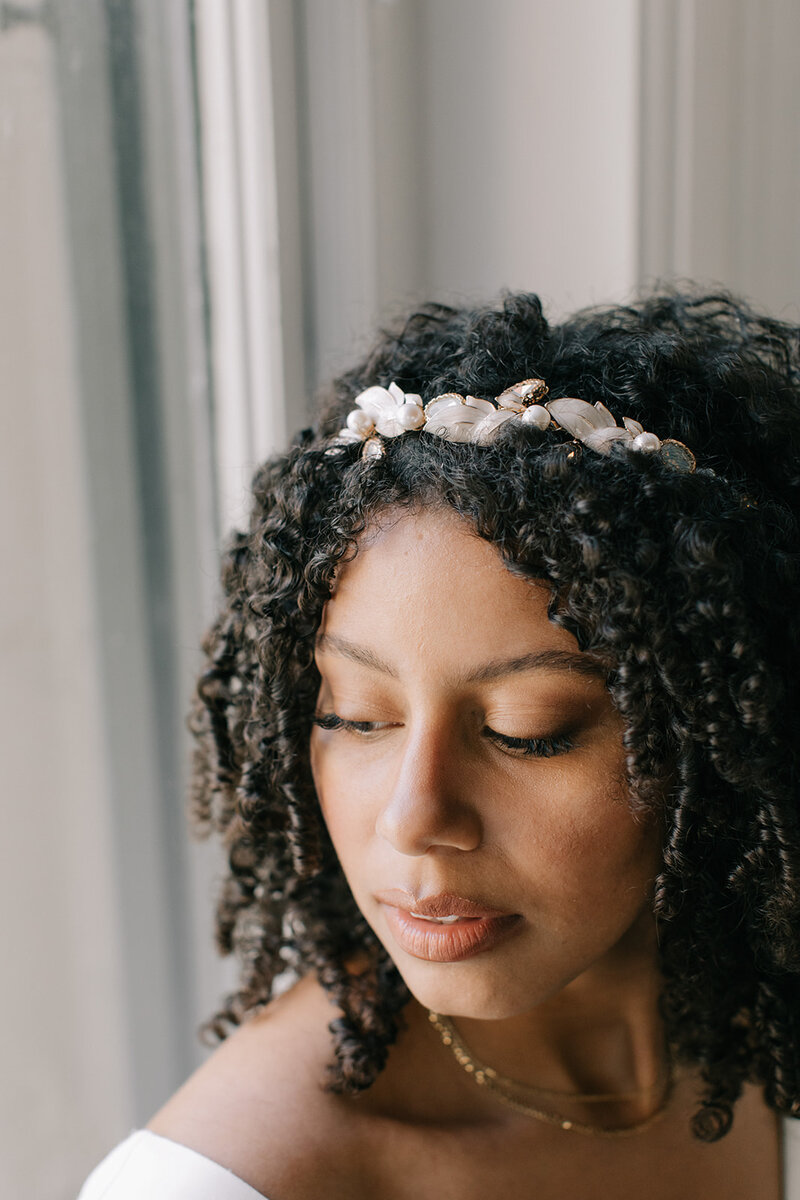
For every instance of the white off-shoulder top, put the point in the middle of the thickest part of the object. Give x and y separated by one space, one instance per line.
151 1166
147 1166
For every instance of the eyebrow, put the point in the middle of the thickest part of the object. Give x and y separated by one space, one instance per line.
329 643
537 660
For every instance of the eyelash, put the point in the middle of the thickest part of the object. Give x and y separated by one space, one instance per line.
524 747
331 721
531 747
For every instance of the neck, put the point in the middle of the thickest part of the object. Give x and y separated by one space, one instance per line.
602 1033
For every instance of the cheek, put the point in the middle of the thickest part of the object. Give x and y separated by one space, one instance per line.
579 839
346 828
345 810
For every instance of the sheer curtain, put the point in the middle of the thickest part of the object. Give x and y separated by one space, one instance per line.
111 498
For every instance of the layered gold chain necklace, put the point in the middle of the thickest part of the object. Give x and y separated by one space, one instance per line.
512 1093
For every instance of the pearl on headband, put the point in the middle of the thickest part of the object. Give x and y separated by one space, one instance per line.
390 412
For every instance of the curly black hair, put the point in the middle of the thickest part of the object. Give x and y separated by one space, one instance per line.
685 585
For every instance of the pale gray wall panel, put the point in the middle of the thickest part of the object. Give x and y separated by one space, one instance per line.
720 148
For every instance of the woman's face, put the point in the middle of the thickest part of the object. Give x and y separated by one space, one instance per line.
470 768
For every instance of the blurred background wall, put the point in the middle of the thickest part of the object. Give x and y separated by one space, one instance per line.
205 206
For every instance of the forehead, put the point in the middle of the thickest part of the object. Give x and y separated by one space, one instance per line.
425 590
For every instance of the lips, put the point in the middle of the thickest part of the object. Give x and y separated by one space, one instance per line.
445 928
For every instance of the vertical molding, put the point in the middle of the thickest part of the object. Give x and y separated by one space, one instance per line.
253 270
286 133
258 209
221 182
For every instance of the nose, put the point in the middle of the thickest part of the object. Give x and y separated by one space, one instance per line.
431 804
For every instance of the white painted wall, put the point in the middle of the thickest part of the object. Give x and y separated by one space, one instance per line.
458 147
720 169
530 134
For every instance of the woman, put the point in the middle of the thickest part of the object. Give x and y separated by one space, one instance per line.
499 727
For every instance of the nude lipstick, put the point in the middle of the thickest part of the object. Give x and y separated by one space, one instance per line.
444 928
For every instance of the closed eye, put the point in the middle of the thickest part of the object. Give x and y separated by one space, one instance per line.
332 721
522 747
530 747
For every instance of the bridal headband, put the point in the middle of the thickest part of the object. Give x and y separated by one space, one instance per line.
383 413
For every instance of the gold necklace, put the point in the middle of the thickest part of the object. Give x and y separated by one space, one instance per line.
503 1089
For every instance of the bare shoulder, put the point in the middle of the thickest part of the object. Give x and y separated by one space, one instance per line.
258 1106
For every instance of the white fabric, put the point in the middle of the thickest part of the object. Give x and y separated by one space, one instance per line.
147 1165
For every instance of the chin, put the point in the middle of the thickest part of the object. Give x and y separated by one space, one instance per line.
483 995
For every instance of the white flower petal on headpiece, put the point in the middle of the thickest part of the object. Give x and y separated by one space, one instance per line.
579 417
510 399
392 424
608 417
486 429
632 426
373 399
441 404
453 416
602 439
391 410
388 425
376 401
